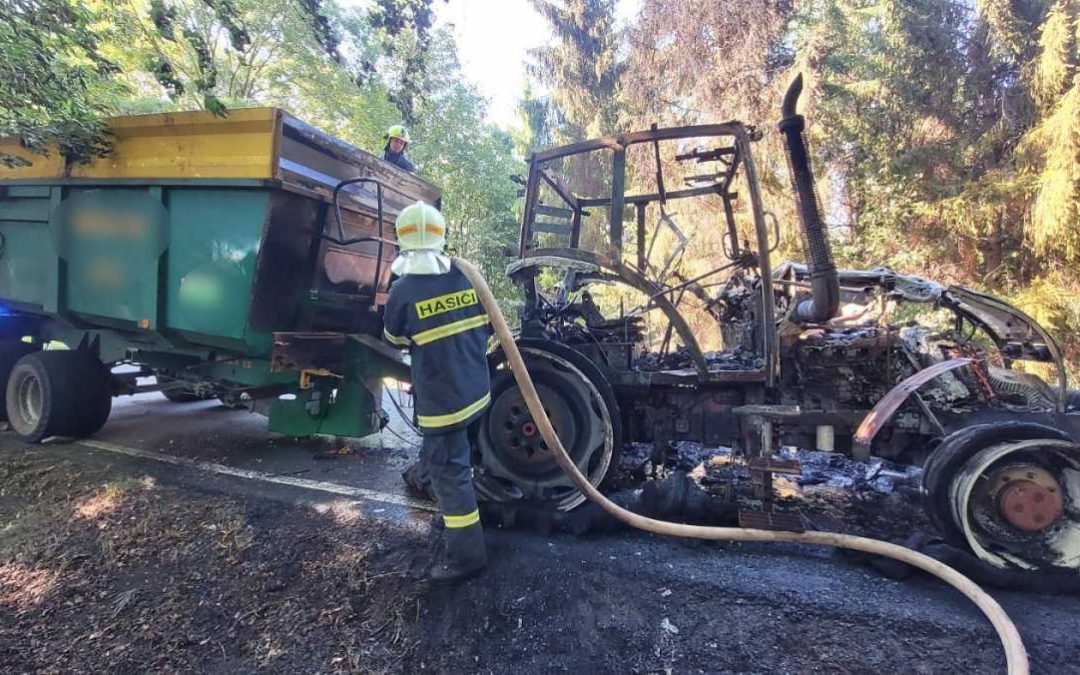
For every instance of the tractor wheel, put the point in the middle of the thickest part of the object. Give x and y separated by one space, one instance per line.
583 410
58 393
11 350
1006 492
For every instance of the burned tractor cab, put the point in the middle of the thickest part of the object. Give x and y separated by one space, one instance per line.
652 313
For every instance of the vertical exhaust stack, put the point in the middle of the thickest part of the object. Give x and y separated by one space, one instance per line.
824 282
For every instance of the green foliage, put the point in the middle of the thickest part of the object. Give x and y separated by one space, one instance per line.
945 133
54 81
472 161
581 70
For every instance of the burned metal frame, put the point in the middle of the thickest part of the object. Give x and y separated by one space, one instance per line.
1012 332
538 258
739 157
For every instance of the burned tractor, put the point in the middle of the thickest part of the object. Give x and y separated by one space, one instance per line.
809 356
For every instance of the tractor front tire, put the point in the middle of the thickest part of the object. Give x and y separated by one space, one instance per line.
58 393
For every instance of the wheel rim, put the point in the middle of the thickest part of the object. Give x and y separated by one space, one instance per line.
509 441
1018 504
28 402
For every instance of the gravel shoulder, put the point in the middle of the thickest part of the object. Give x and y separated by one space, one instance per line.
108 565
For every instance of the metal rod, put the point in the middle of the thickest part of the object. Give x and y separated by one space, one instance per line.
729 215
715 188
741 261
530 203
641 259
665 134
659 169
768 314
378 261
618 187
559 188
575 231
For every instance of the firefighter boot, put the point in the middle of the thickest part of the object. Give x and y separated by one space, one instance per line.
464 555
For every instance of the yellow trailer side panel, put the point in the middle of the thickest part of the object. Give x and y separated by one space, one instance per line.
172 145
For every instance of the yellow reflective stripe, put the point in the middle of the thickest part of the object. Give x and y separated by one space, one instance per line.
466 520
434 421
393 339
433 334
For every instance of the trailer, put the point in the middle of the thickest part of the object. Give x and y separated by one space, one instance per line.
243 257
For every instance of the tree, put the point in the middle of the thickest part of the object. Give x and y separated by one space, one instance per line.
54 79
962 160
471 160
579 74
580 70
697 61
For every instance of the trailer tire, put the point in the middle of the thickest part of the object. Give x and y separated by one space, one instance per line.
11 350
58 393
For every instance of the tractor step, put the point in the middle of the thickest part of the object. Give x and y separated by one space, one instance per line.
765 520
774 465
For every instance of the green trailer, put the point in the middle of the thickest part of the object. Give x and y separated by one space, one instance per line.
244 258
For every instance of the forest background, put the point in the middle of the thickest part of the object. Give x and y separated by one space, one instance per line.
945 133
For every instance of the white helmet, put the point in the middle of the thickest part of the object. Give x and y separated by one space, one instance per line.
421 234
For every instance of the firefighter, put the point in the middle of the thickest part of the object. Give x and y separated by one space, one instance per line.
434 312
397 138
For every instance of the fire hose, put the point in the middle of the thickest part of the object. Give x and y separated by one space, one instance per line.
1015 654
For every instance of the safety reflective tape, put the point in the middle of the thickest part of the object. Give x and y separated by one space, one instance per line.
435 421
455 522
433 334
435 230
393 339
407 230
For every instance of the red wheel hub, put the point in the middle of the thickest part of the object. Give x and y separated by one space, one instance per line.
1029 506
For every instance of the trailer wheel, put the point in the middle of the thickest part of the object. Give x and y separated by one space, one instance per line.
11 350
58 393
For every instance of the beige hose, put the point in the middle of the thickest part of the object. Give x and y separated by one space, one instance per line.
1015 655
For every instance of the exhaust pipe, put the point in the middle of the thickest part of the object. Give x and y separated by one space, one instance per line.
824 281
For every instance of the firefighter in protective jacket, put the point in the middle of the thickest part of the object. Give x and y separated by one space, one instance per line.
434 312
397 139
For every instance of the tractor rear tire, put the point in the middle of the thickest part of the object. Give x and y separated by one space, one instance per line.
11 350
58 393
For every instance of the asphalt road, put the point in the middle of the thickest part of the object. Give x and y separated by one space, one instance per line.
757 600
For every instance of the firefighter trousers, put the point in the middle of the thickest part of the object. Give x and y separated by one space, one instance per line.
446 457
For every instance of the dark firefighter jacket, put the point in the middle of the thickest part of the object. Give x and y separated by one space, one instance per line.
440 319
399 160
